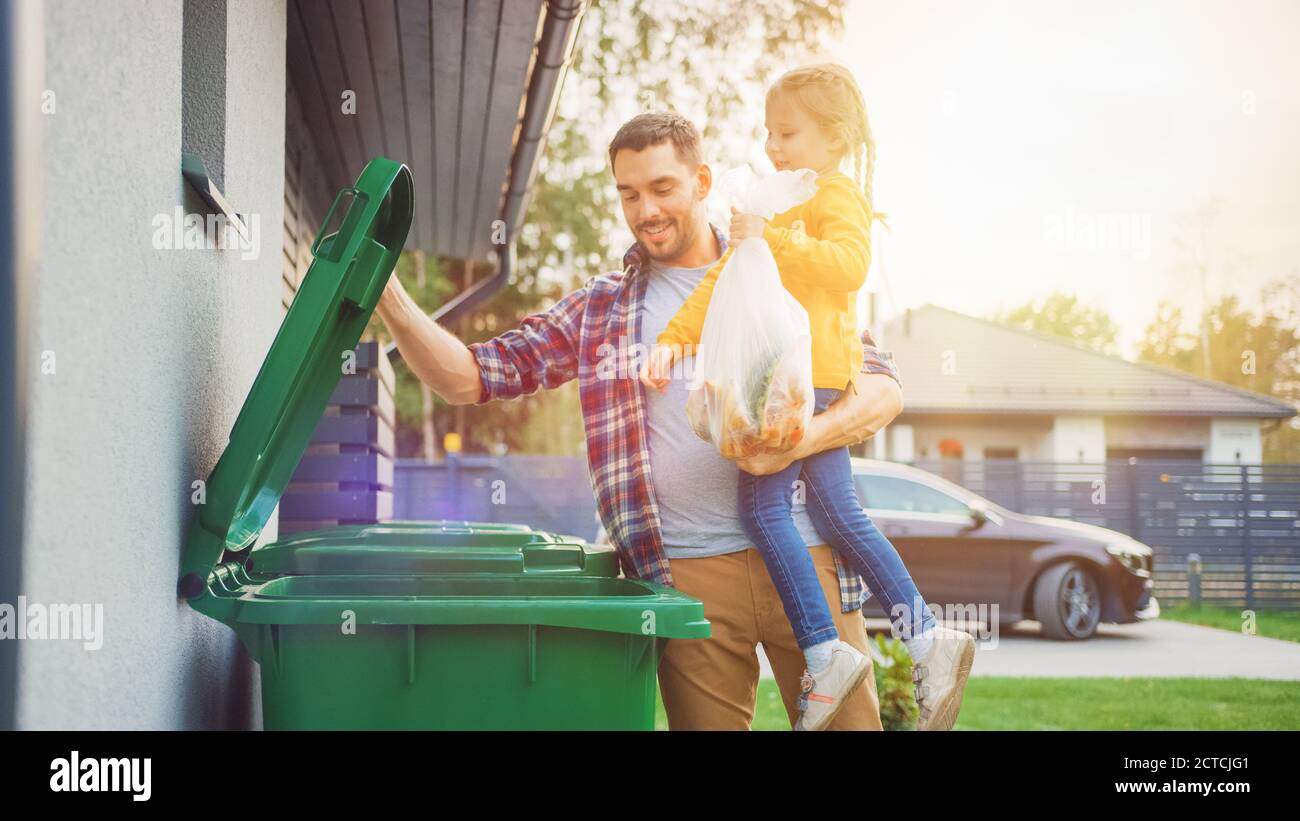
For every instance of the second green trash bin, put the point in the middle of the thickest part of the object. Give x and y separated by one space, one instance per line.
407 625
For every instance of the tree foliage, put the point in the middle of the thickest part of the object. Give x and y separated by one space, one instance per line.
1255 350
1066 316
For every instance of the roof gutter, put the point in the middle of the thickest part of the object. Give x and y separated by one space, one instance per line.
550 63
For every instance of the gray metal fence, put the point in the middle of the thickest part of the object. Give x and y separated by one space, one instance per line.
1243 521
551 493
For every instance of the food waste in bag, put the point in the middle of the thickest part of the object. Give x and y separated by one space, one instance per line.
751 391
770 416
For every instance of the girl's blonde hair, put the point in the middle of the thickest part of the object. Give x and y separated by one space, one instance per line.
828 92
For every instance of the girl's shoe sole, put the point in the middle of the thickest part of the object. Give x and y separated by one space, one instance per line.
947 710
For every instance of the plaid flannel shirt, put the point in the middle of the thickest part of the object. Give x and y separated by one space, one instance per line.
591 335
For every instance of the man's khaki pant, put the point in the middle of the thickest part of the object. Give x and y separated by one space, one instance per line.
711 684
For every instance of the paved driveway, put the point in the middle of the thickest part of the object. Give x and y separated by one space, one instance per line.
1159 648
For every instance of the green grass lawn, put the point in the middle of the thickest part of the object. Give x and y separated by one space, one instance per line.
993 703
1273 624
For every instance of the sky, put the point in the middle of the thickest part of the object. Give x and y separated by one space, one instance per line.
1030 146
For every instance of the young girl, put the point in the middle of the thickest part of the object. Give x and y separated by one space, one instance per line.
816 118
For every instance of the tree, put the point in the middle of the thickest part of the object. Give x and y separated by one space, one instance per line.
1197 253
1258 351
1167 342
711 64
1064 315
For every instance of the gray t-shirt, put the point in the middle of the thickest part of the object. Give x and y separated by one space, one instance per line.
693 484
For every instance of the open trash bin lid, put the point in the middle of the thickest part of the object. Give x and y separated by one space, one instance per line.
310 353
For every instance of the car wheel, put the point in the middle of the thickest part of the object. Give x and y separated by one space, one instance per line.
1067 602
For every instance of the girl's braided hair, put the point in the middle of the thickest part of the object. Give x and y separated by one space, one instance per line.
829 93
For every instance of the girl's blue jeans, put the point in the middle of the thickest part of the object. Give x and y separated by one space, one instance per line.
836 512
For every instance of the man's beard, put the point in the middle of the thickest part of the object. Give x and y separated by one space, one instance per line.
685 236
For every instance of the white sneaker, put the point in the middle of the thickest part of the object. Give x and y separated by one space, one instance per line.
941 678
823 696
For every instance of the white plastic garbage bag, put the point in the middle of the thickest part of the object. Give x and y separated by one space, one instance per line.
751 390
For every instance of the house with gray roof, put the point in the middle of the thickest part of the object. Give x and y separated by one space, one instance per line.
975 389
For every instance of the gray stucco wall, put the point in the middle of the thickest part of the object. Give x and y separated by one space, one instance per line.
154 351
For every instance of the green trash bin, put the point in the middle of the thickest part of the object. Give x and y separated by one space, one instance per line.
407 625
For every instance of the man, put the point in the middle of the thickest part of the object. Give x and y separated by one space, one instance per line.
666 498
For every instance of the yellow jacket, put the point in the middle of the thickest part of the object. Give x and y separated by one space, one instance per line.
822 266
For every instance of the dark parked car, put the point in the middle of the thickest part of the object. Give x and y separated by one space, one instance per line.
965 551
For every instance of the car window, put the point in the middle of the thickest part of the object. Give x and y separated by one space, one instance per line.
889 493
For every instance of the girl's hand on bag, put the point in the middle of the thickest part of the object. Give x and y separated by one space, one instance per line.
745 226
657 369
